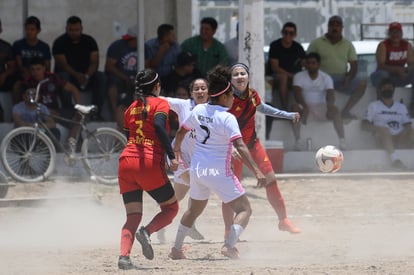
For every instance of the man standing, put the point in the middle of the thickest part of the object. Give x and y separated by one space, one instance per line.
395 60
208 50
336 54
77 59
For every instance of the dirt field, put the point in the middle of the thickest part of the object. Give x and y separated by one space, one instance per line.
349 227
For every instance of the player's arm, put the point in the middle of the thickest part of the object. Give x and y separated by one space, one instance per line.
248 160
160 120
274 112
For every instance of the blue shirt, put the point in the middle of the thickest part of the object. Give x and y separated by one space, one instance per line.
167 61
126 57
27 52
29 115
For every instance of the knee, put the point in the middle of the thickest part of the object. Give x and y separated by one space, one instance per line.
171 209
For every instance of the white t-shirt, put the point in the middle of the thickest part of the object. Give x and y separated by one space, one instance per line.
393 117
313 90
216 130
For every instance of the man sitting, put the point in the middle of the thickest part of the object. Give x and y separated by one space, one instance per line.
314 94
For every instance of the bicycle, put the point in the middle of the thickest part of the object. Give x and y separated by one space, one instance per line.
28 154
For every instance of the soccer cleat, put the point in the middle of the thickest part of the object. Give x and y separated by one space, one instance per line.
287 225
195 234
144 239
176 254
230 252
124 262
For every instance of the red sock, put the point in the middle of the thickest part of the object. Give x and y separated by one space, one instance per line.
128 232
276 200
163 218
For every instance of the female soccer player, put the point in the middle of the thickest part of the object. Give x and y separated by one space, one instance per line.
210 170
142 166
183 107
246 102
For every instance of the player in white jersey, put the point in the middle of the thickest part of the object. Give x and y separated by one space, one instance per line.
210 170
183 108
389 121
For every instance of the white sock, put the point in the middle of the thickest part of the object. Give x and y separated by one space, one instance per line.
235 231
181 234
393 156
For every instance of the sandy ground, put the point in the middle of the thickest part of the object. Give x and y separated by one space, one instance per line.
349 227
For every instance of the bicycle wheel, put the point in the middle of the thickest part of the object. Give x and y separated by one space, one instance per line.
100 154
28 154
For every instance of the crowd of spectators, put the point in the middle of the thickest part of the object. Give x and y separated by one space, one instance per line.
293 71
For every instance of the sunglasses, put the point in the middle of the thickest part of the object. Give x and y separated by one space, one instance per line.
292 33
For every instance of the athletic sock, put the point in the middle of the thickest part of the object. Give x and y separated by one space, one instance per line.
128 232
228 218
163 218
276 200
182 232
235 232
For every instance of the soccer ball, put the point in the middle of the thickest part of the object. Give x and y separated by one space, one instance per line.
329 159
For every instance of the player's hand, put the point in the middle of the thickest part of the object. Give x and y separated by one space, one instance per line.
235 154
173 165
261 179
296 118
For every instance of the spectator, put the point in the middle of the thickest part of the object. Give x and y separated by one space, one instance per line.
285 59
77 60
395 60
336 53
25 112
51 92
315 99
27 48
208 51
182 74
121 68
7 69
161 52
232 47
389 122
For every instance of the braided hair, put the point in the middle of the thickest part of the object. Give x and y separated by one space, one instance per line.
145 82
219 79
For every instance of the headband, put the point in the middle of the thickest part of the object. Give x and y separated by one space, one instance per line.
244 66
221 92
149 82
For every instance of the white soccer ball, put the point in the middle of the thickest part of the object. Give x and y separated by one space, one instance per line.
329 159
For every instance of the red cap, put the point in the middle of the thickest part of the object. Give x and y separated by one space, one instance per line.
395 26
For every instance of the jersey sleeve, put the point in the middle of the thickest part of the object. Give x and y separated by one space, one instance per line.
232 128
176 104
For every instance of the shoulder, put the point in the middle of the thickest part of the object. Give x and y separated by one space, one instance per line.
19 43
151 42
63 38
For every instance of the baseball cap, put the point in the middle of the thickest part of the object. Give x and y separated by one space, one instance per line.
336 19
185 58
395 26
132 32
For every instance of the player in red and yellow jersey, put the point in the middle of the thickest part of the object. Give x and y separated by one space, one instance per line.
246 102
142 166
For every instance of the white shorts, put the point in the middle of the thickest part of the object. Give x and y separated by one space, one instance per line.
177 175
227 188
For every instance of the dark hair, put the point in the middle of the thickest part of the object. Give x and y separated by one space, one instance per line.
164 30
289 25
73 20
219 79
210 21
145 82
32 20
313 55
203 79
386 81
37 61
